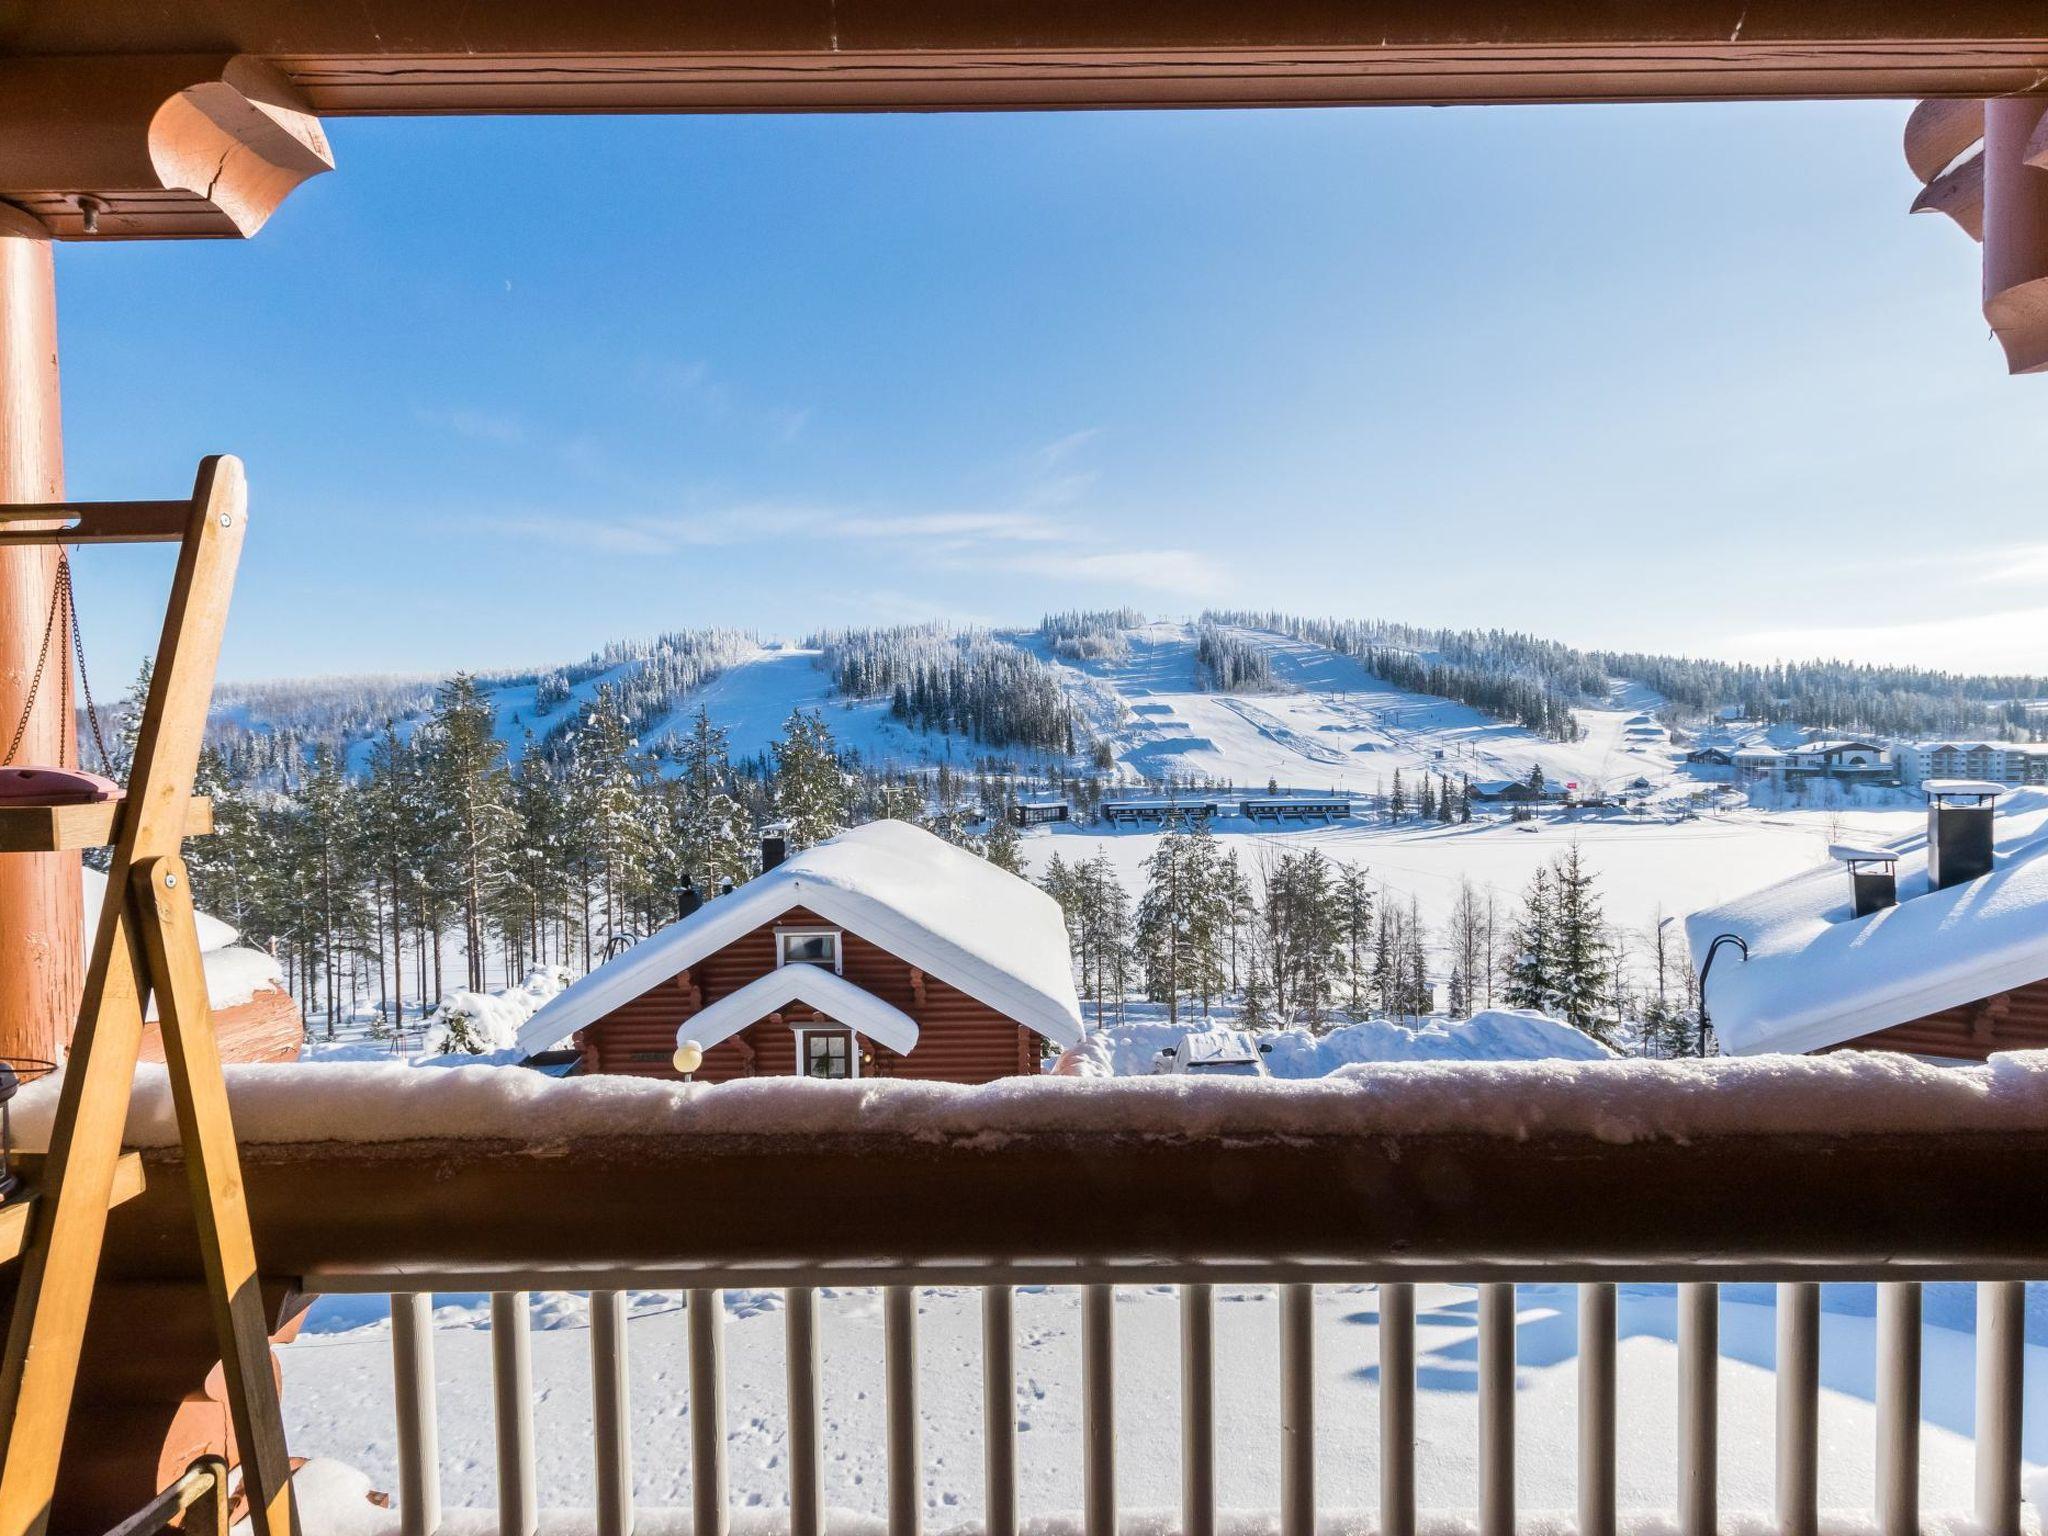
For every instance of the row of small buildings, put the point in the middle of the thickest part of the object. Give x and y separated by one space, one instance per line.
2008 764
1190 810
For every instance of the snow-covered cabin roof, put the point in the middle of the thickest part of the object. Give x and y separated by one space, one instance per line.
1817 976
832 994
235 972
946 911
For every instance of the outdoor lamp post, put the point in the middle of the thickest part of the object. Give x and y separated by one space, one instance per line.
689 1057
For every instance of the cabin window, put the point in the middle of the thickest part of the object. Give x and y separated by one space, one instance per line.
808 946
826 1053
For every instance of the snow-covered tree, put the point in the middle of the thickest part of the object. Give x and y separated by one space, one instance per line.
812 800
1531 977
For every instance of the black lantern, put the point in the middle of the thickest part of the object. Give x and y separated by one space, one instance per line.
14 1071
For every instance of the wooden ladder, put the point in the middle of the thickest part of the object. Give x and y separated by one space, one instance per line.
147 944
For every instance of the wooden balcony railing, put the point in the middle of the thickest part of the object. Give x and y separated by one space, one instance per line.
1795 1172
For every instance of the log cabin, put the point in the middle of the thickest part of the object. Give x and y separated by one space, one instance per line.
1935 946
255 1019
882 952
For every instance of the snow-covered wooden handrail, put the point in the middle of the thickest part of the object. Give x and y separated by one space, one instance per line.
1794 1170
1846 1166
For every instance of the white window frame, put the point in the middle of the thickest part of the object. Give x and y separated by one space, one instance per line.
823 1027
838 938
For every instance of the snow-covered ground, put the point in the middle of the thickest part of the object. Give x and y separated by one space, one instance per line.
338 1399
1329 723
1131 1048
1647 870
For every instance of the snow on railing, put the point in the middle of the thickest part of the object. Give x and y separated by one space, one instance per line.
381 1179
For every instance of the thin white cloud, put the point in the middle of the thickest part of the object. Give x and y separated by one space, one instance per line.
2014 565
757 523
2010 640
1187 572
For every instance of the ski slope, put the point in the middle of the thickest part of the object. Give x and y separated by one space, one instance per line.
1329 723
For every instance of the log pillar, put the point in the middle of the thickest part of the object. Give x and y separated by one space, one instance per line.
41 928
2016 229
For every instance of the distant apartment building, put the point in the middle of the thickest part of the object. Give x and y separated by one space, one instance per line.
2010 763
1854 762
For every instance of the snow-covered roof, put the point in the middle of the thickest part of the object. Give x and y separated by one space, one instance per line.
1817 976
1979 787
948 912
827 991
235 973
1860 853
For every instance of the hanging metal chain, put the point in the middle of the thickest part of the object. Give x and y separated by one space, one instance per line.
61 597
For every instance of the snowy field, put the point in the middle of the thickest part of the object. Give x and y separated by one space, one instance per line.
339 1404
1646 870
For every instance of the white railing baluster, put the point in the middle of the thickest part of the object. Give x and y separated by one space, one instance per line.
1898 1408
611 1414
1596 1410
999 1409
1197 1411
419 1433
2001 1367
1496 1409
1397 1409
1798 1435
512 1384
1297 1410
709 1502
1699 1360
905 1454
802 1368
1098 1410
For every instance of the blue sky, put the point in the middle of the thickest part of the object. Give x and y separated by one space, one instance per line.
1683 377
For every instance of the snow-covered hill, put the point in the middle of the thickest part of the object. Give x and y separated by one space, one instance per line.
1328 723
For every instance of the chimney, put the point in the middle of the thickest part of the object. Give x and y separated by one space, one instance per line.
773 851
687 899
1959 815
1873 877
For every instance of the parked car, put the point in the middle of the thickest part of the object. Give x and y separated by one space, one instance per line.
1214 1053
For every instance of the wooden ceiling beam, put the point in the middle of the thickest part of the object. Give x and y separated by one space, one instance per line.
399 29
154 145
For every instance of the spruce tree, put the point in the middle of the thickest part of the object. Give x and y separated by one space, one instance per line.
811 796
1531 979
1583 954
1002 847
713 840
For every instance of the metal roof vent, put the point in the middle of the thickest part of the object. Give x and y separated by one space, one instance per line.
1959 815
1873 877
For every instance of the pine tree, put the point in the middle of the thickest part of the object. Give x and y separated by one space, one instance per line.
1355 898
1003 847
713 842
1583 954
1180 918
811 798
467 771
1397 805
1531 979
